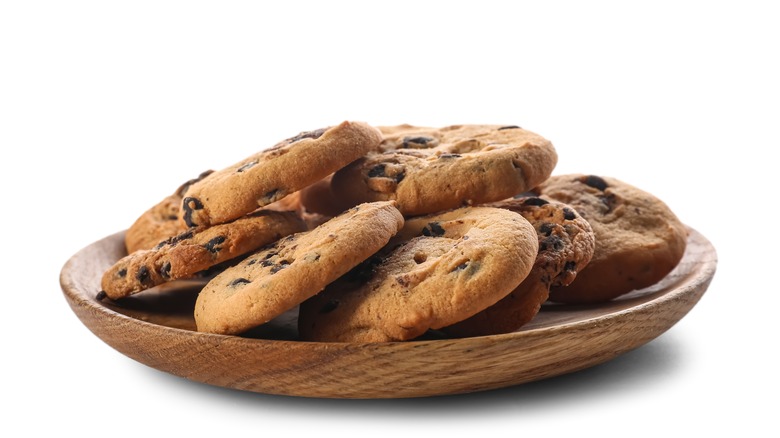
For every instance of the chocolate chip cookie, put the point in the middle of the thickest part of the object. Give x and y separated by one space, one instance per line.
274 173
282 275
440 269
566 245
639 240
195 250
427 170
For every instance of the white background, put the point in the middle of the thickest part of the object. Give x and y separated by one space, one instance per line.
106 107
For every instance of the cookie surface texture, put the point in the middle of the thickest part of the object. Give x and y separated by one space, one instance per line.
440 269
159 222
272 174
639 240
195 250
427 170
282 275
566 245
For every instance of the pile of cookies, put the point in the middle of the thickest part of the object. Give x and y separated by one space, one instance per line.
382 234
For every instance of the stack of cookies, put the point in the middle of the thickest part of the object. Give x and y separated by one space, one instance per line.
382 234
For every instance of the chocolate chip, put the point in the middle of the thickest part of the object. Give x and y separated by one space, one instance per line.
329 306
272 195
238 281
594 181
101 295
460 267
189 205
143 274
171 217
246 166
569 214
552 242
186 186
317 133
266 263
251 262
122 273
416 140
535 201
570 266
377 171
508 127
546 228
449 156
165 271
212 245
433 229
173 241
278 267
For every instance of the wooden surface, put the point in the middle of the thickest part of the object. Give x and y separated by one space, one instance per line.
156 328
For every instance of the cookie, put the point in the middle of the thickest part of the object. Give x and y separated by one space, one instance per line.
195 250
639 240
282 275
440 269
159 222
274 173
566 245
426 170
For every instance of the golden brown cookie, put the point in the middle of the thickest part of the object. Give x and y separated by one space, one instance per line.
159 222
195 250
272 174
440 269
566 245
280 276
639 240
427 170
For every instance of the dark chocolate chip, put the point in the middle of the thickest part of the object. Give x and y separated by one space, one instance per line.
552 242
246 166
213 245
186 186
377 171
101 295
278 267
189 205
143 274
433 229
508 127
271 195
570 266
266 263
172 217
238 281
449 156
594 181
251 262
416 140
173 241
317 133
546 228
329 306
460 267
122 272
399 177
569 214
535 201
165 271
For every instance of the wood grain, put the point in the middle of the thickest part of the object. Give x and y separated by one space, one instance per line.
157 328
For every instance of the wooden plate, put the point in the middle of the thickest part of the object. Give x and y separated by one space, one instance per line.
156 328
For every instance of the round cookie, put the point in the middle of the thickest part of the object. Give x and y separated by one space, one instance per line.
274 173
639 240
566 245
195 250
427 170
159 222
440 269
282 275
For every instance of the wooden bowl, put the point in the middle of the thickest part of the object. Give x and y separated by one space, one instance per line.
156 328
